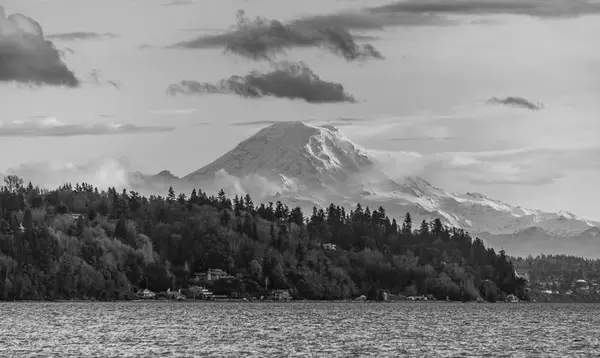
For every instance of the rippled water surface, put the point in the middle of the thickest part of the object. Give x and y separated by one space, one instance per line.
301 329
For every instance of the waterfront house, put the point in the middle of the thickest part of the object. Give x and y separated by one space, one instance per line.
330 247
580 285
175 295
280 295
146 295
213 275
199 292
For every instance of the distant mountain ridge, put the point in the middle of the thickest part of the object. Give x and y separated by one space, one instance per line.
315 165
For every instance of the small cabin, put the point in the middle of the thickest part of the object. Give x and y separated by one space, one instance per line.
581 285
199 292
213 275
280 295
146 295
330 247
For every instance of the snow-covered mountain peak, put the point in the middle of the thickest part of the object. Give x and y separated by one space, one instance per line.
312 154
318 164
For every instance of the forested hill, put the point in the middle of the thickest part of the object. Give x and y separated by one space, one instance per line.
123 242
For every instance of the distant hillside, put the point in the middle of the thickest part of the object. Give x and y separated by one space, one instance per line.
535 241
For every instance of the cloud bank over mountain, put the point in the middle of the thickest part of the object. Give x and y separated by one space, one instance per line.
101 172
263 39
120 173
27 57
292 80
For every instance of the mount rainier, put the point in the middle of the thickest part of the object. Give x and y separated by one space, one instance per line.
306 165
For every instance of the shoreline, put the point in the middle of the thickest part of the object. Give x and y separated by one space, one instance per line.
294 301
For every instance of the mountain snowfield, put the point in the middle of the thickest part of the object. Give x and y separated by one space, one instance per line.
306 165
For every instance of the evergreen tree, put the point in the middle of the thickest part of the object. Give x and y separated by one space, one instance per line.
248 203
424 230
171 195
407 225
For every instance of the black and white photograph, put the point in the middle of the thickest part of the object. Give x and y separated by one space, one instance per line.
315 178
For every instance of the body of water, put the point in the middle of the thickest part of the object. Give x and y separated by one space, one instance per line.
300 329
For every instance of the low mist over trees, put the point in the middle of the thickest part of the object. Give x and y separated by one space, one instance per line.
123 242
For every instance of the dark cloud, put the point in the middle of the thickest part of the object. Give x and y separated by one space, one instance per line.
27 57
40 126
519 102
72 36
262 39
537 8
286 80
370 19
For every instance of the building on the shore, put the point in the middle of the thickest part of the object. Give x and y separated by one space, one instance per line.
280 295
330 247
175 295
199 292
213 275
146 295
580 285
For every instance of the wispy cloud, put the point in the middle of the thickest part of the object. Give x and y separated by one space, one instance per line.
178 3
286 80
518 102
537 8
408 139
26 56
524 166
259 123
79 35
347 121
172 112
527 166
263 39
95 79
369 19
42 126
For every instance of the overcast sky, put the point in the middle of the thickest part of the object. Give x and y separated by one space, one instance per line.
427 96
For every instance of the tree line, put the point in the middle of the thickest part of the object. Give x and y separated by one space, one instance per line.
123 242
